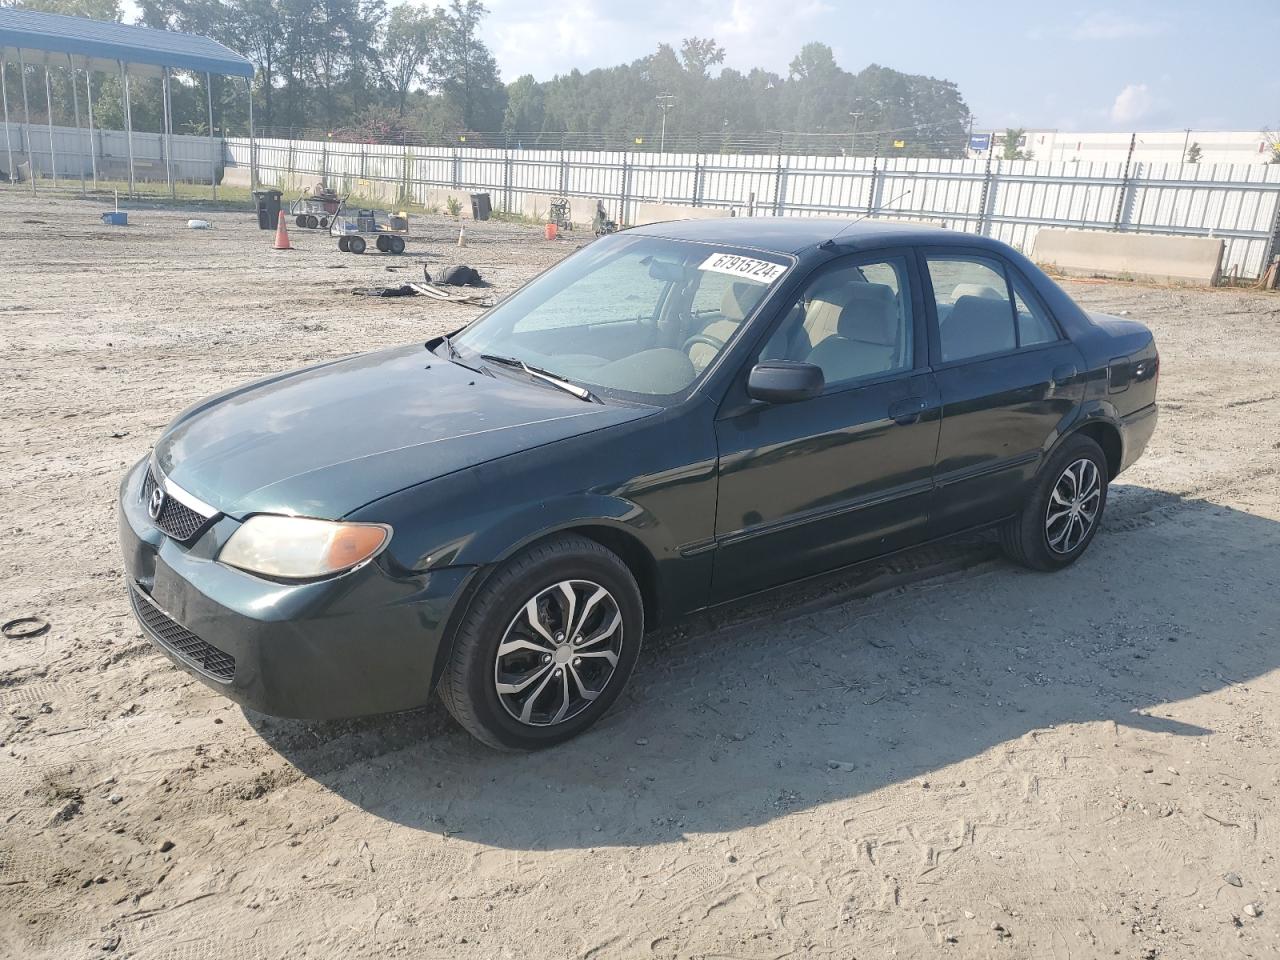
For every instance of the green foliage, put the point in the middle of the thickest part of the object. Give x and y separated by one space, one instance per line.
95 9
412 34
1012 151
385 70
453 205
817 96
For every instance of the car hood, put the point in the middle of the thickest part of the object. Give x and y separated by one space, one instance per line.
326 440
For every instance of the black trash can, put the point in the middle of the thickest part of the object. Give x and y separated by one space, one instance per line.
267 203
480 206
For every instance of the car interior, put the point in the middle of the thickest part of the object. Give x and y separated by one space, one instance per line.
849 325
655 322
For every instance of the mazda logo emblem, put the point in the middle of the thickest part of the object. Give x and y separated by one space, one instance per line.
155 504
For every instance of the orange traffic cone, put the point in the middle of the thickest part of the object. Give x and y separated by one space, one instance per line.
282 235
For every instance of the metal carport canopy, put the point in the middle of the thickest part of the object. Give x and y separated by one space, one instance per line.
101 45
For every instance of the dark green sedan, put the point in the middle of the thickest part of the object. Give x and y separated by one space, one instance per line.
674 417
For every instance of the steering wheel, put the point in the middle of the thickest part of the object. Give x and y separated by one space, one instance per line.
712 342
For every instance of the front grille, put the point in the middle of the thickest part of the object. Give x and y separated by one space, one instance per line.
176 518
180 641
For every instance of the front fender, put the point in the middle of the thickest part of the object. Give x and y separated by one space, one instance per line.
652 481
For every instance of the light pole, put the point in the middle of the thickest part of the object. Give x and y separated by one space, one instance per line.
665 101
853 137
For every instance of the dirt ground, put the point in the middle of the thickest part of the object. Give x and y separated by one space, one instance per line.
937 756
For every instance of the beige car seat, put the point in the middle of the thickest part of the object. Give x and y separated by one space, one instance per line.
735 304
867 336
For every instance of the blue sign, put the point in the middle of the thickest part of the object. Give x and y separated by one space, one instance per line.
980 142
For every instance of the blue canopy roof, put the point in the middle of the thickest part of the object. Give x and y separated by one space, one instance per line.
98 44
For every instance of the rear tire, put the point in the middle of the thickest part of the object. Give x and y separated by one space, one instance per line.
1065 508
530 669
355 244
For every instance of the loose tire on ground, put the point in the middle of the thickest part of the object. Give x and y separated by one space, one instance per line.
498 619
1029 537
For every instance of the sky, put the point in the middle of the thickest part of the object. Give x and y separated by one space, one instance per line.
1093 66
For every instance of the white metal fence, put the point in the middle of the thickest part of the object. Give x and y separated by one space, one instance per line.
74 151
1006 199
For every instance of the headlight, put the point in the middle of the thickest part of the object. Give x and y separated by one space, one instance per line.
299 548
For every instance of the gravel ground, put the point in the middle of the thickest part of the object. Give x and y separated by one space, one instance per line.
941 755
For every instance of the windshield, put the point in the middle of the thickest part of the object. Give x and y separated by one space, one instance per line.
636 317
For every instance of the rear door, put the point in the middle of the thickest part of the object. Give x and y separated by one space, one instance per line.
1009 382
817 484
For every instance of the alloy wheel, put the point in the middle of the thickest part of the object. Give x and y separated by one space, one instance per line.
1073 506
558 653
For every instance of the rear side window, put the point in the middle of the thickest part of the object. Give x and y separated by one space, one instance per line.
1034 326
979 313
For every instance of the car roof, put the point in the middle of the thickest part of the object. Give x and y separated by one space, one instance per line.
794 235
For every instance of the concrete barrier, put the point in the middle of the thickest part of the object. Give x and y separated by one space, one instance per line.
1140 256
582 210
658 212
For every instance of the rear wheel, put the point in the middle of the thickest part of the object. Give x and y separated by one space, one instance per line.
344 244
1059 520
546 646
355 244
381 243
312 221
300 220
396 244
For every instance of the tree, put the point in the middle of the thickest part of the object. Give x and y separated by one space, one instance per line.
94 9
526 106
411 37
699 56
464 69
1012 149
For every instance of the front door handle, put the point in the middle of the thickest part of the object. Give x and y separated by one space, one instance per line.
1061 374
907 411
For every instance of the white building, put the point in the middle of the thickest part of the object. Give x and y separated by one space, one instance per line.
1216 146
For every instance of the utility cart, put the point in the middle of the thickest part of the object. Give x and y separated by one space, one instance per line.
351 227
316 210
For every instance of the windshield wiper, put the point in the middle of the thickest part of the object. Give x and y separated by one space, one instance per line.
582 393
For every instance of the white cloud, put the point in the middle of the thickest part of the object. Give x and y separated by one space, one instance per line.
1115 26
1132 104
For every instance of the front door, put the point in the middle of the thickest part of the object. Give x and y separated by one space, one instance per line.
1010 382
810 486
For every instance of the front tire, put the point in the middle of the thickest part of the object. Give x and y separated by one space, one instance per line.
1064 511
546 646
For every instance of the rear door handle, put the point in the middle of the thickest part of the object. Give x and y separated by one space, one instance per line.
907 411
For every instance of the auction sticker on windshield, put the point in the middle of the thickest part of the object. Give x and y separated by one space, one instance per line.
747 268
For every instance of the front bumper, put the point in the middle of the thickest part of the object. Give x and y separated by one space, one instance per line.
361 643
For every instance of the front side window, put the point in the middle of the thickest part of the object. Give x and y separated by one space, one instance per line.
639 317
852 321
979 313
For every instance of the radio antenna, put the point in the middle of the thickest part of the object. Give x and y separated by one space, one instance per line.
851 223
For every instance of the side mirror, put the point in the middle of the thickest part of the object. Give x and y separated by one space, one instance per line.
785 381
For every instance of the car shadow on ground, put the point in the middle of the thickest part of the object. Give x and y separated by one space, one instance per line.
844 686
